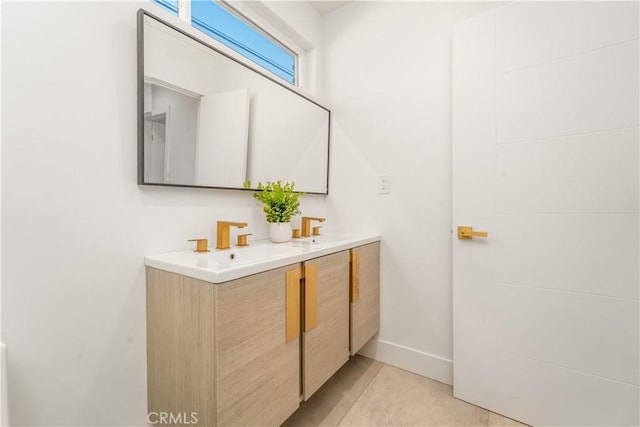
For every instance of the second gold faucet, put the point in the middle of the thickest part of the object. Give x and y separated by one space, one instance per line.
306 225
222 233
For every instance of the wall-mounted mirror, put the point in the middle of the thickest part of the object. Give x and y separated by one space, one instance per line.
207 120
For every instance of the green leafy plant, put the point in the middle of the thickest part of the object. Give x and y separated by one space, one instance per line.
280 200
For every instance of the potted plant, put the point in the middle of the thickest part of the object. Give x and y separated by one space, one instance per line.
280 204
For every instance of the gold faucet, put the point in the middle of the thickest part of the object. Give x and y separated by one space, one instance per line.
222 235
202 245
306 225
242 239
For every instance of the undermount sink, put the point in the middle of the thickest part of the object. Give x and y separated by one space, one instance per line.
248 254
322 239
219 266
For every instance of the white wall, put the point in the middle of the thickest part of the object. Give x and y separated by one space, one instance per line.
1 373
4 408
387 79
75 224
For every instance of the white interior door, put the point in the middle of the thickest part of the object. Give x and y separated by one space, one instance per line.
223 135
546 160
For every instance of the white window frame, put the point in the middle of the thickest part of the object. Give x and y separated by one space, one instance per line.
250 18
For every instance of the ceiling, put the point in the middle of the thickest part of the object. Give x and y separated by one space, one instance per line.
326 6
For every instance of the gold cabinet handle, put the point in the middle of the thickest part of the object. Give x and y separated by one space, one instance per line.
310 297
292 305
355 275
467 233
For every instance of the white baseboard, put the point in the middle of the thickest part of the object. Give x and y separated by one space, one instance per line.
410 359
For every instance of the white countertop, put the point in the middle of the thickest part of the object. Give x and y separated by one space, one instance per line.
219 266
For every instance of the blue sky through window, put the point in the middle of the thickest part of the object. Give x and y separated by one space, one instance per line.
216 21
170 5
219 23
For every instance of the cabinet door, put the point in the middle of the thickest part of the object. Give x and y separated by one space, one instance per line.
365 294
180 345
258 358
325 341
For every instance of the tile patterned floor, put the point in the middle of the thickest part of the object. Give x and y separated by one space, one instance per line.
366 392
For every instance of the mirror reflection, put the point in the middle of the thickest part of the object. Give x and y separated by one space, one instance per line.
210 121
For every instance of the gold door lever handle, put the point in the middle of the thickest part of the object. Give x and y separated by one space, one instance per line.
466 233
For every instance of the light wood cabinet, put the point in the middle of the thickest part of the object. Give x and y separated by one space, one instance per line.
258 372
247 351
365 295
180 346
325 340
221 351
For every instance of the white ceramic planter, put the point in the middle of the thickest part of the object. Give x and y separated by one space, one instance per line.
280 232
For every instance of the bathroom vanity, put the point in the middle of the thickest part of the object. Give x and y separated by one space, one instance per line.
242 336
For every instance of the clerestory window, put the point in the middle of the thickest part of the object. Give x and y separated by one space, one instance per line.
235 31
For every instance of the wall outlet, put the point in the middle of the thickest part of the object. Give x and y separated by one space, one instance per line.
384 184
